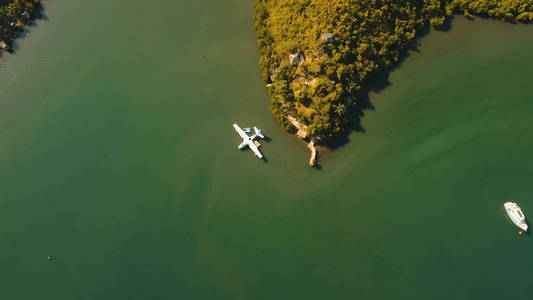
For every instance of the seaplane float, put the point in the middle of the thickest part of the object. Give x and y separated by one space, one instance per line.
249 140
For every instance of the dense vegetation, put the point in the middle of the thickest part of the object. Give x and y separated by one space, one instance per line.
341 43
14 14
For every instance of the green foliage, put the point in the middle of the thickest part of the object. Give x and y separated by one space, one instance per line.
368 37
14 14
510 10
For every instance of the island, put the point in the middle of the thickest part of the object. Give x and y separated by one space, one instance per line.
14 15
318 55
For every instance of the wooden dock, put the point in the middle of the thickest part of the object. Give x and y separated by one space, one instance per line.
311 146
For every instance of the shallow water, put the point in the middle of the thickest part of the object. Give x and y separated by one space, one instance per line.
118 160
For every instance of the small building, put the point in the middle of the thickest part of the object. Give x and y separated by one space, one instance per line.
326 37
297 59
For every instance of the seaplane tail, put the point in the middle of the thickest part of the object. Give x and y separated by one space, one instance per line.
258 133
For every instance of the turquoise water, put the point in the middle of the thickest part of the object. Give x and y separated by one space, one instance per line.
118 160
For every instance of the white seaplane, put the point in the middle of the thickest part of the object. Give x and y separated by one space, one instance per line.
249 140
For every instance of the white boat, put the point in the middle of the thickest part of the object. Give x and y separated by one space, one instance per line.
516 215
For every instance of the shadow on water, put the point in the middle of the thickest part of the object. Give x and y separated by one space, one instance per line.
266 139
377 83
446 26
22 32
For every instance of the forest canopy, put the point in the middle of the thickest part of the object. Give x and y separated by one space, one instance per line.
14 14
316 54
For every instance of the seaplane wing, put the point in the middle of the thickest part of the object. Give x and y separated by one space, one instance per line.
240 131
255 150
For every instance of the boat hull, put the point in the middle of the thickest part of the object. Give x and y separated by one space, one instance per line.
515 214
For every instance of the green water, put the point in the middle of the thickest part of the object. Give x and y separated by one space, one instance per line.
118 160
